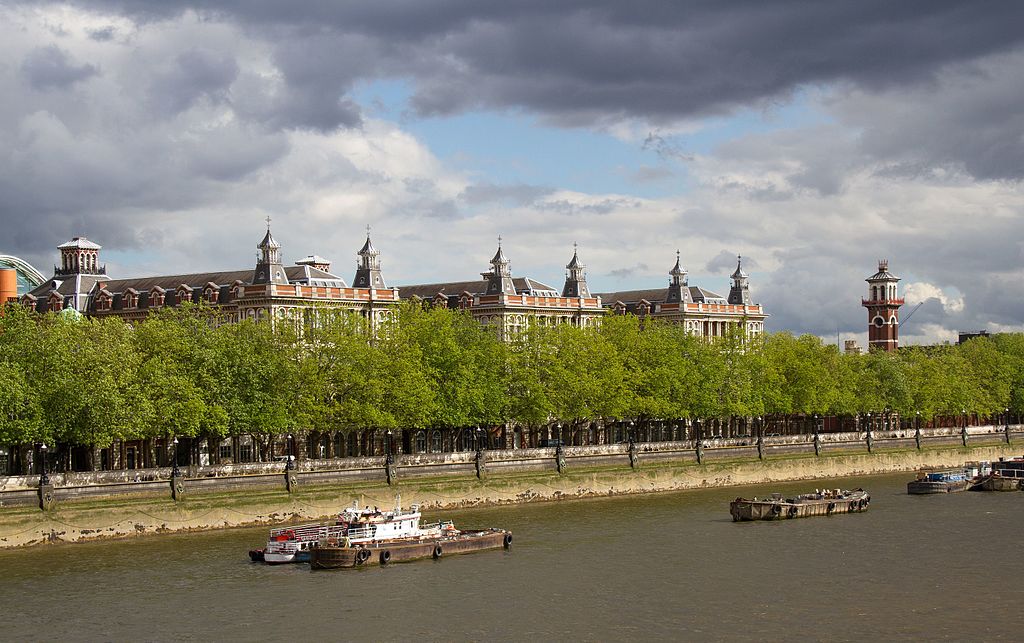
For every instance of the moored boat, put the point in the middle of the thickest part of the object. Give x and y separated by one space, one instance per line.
940 482
820 503
1004 475
378 538
392 551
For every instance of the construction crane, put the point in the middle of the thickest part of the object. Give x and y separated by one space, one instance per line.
907 318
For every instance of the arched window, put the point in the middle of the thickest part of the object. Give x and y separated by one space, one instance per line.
339 444
421 442
353 444
436 445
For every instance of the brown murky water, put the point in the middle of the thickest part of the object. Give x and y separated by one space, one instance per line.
670 566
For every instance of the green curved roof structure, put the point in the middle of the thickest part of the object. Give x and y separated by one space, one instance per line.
28 276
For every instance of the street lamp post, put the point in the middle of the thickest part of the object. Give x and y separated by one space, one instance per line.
817 437
869 438
290 464
917 429
175 471
1006 428
44 476
760 438
963 429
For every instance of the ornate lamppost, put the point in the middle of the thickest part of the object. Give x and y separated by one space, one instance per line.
1006 428
480 459
46 497
175 471
869 438
291 478
44 476
963 429
817 437
760 438
917 429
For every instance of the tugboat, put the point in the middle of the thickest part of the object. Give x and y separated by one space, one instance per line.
292 544
379 538
1005 475
820 503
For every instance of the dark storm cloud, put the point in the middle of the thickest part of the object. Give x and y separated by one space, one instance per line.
583 62
191 75
51 67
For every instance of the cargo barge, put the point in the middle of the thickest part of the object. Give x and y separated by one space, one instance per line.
820 503
940 482
385 552
1005 475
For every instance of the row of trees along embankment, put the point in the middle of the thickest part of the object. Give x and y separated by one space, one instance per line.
88 387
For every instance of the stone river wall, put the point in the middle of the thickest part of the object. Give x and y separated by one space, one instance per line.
92 509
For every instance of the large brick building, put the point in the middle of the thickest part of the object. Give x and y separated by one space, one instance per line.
269 290
701 311
513 303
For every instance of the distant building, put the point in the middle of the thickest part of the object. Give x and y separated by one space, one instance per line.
269 290
513 303
701 311
969 335
27 276
851 347
883 304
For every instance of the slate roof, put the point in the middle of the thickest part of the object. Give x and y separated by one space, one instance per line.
657 295
523 285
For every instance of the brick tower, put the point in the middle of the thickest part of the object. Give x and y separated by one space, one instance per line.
883 304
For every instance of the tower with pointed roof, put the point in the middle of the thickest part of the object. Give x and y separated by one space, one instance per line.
883 304
575 277
79 257
368 273
678 285
739 294
269 268
499 279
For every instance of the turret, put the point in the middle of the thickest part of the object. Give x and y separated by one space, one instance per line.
739 294
499 279
883 304
678 286
269 269
575 277
368 273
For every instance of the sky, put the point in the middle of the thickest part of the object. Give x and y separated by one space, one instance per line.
812 138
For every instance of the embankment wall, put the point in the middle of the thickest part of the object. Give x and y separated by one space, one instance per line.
86 518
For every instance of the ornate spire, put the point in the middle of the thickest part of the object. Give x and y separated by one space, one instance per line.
575 278
678 290
368 273
739 293
738 274
500 277
268 261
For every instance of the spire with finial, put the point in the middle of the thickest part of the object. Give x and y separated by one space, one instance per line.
499 279
269 268
368 274
575 277
678 289
739 293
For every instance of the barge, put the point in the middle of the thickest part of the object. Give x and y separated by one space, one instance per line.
940 482
820 503
1004 475
385 552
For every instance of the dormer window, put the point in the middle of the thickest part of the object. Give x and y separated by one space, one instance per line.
236 289
130 298
104 300
211 294
56 303
184 294
156 297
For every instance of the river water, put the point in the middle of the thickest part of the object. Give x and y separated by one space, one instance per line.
667 566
